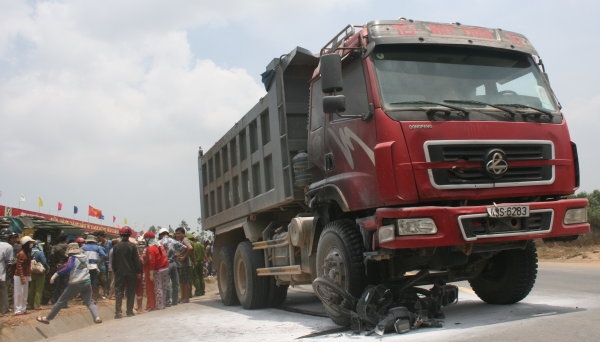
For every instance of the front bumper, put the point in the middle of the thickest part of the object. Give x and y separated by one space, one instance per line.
472 224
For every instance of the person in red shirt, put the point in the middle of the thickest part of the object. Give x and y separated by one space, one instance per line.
22 276
158 265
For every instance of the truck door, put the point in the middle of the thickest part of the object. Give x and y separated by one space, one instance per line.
341 145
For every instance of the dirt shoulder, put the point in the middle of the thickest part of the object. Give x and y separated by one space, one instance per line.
11 321
575 252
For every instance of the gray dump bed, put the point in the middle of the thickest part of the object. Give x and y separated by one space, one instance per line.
249 170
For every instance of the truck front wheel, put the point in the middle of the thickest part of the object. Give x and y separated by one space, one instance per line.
340 269
508 276
251 289
225 276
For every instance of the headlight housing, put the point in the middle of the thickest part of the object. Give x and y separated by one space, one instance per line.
575 216
416 226
405 227
386 233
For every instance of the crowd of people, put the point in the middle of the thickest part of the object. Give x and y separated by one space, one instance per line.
150 272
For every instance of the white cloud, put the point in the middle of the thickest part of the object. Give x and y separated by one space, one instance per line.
106 102
116 20
115 116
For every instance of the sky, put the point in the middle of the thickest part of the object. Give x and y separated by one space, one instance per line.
105 103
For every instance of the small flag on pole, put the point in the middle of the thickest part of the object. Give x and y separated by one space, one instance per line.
59 206
75 209
21 198
93 212
40 202
114 219
125 221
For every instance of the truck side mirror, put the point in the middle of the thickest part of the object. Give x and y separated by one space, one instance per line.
331 73
334 104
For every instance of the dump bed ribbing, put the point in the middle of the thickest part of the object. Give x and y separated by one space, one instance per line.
249 170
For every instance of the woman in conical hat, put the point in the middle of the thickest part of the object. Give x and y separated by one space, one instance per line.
79 283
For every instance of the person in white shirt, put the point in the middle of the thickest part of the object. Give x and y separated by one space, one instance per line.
6 259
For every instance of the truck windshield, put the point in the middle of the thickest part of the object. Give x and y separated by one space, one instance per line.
481 79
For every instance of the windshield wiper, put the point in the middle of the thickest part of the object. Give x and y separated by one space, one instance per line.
506 110
431 111
538 110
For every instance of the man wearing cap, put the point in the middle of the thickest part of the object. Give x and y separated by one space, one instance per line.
106 244
184 265
79 283
80 241
127 267
173 248
197 266
95 255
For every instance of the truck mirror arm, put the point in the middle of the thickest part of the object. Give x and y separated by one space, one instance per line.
365 116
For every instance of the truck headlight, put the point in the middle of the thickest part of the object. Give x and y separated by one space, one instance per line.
416 226
386 233
576 215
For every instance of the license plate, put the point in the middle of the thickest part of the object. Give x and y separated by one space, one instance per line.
508 211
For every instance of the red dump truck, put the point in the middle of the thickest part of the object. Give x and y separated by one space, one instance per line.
404 153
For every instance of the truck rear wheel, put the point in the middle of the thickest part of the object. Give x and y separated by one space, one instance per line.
276 294
340 261
250 288
508 277
225 276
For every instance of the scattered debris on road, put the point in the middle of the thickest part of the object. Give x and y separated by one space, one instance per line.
387 308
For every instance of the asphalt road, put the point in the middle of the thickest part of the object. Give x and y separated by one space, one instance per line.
564 306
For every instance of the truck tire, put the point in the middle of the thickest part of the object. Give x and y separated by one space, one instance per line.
225 276
276 294
340 261
250 288
508 277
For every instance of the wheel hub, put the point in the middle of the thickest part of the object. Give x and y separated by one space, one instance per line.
333 268
241 282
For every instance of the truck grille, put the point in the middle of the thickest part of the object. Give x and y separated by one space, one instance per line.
534 152
479 226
